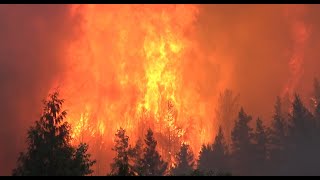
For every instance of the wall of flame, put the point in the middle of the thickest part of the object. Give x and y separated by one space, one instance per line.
133 66
127 70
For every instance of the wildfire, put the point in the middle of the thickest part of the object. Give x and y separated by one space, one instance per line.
133 66
126 70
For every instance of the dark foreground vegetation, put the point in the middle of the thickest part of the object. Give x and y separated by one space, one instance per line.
289 146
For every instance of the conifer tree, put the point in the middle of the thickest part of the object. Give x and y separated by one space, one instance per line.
184 161
49 149
121 165
152 163
220 153
242 147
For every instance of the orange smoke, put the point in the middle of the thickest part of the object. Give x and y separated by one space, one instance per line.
300 33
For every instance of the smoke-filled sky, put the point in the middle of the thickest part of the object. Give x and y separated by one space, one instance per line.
247 48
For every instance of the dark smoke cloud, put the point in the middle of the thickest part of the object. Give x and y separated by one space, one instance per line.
31 51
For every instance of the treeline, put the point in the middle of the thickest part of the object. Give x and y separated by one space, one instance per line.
289 146
143 159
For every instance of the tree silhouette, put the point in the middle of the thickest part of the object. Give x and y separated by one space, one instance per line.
277 138
120 165
215 158
242 147
301 138
49 150
226 112
290 146
261 152
278 126
301 122
204 161
82 161
184 161
137 157
220 153
152 164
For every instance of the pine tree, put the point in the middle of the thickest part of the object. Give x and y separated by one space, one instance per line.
137 157
277 139
82 161
301 142
242 147
301 120
184 161
215 157
204 160
261 137
49 150
121 165
219 157
278 126
152 163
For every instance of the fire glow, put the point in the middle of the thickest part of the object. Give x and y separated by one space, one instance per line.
130 67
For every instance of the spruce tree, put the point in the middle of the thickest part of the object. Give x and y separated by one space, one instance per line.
152 163
120 165
261 152
137 157
278 139
242 147
204 160
49 150
301 122
184 161
219 157
301 139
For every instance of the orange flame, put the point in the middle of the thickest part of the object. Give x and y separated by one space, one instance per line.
126 70
138 66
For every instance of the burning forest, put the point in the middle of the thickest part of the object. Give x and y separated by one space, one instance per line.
159 89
